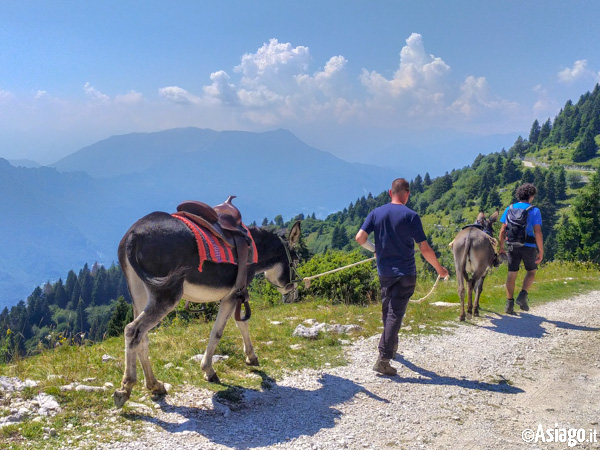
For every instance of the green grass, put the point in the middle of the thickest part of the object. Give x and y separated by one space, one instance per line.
86 414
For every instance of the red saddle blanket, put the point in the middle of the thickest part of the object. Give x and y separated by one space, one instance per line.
212 248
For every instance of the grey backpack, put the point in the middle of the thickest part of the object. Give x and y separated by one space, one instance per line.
516 226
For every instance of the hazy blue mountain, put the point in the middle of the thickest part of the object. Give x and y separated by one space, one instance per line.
56 219
24 163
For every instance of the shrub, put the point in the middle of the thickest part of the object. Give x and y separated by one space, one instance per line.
355 285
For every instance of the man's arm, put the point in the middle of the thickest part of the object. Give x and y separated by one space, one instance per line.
539 240
502 239
429 255
363 239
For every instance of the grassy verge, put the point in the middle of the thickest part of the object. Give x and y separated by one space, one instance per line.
88 417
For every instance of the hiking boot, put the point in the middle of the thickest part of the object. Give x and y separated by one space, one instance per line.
510 306
383 367
522 301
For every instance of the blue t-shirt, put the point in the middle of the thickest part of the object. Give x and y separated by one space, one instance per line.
533 218
396 228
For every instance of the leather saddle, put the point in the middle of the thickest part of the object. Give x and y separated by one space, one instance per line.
225 222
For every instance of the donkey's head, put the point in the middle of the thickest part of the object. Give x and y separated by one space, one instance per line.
487 222
282 274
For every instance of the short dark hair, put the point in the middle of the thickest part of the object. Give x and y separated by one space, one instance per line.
525 192
400 184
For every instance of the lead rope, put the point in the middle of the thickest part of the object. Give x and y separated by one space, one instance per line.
431 291
307 280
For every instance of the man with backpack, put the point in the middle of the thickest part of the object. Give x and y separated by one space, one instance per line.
521 233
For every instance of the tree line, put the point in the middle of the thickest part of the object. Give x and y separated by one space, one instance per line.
87 306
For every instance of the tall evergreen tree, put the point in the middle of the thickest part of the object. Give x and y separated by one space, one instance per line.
70 283
544 132
417 185
122 315
60 294
561 184
339 239
510 171
81 319
534 133
550 187
587 148
586 212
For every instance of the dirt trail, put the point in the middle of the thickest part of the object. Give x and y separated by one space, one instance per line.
479 385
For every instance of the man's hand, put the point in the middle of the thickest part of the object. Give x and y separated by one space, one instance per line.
443 272
539 257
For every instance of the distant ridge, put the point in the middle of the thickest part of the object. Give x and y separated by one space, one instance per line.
76 211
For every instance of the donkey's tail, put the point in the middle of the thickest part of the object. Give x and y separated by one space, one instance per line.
131 253
466 256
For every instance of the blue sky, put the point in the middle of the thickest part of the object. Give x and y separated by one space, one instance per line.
344 76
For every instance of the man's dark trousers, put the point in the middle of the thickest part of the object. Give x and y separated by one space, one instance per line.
395 294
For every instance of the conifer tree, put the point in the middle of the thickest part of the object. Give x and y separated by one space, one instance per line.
60 294
534 133
122 315
561 184
587 148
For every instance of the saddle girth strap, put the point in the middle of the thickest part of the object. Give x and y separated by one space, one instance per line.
241 281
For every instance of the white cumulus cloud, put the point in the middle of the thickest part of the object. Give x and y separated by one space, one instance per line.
94 93
179 95
571 74
222 88
420 78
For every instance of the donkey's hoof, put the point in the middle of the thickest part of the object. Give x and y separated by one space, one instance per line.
252 361
212 378
476 313
159 390
461 318
120 396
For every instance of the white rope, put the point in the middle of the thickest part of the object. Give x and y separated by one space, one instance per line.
307 280
430 292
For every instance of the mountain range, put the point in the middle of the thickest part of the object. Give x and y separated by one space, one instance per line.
75 211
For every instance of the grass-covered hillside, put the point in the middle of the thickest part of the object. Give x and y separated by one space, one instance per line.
560 157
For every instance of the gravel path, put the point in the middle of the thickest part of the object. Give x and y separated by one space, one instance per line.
479 385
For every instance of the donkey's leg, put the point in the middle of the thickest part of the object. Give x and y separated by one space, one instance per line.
251 358
139 298
225 311
478 289
152 384
470 295
159 305
460 278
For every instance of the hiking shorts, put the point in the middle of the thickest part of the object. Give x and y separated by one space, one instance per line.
525 254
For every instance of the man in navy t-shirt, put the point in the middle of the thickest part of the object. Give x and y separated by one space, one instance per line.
531 253
396 229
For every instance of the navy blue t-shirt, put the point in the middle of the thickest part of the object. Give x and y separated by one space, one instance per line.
396 229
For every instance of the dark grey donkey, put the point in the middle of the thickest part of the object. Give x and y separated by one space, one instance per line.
159 257
474 251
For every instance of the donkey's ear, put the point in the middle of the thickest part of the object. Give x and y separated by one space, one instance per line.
295 234
494 216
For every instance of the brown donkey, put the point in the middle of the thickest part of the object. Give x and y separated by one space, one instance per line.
474 251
